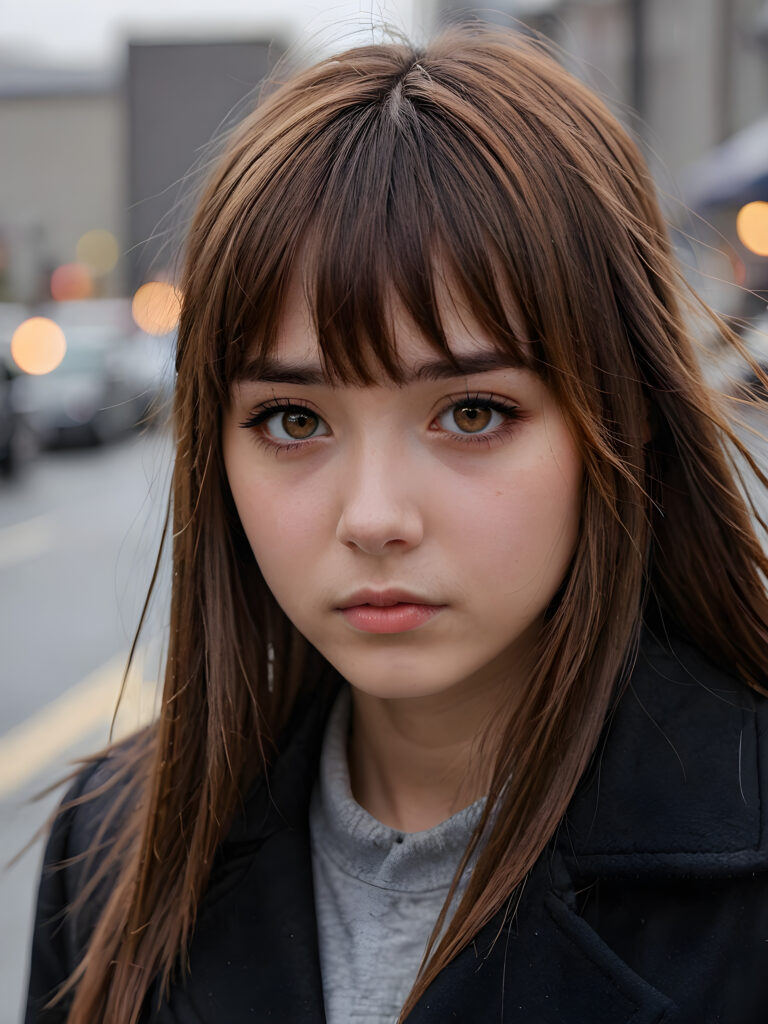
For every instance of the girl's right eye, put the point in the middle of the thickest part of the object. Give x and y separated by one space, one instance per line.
280 423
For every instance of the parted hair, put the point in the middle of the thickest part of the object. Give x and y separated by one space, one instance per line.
480 158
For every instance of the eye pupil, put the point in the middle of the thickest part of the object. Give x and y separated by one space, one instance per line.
471 418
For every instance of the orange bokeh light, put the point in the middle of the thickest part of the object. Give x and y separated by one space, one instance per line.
71 281
38 345
752 227
156 307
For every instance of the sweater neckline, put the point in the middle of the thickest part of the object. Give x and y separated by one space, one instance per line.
365 848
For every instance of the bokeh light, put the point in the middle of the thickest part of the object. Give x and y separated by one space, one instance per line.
71 281
38 345
752 227
98 251
156 307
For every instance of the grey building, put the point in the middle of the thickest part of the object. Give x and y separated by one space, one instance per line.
694 71
179 97
117 152
61 171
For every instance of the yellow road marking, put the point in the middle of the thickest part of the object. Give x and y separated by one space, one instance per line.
29 747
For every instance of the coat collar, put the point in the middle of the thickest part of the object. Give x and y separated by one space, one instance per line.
675 785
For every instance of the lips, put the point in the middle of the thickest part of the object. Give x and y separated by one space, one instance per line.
385 598
393 610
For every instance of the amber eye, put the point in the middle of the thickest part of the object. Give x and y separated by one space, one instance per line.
299 425
471 419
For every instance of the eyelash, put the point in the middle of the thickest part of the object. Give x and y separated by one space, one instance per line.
267 410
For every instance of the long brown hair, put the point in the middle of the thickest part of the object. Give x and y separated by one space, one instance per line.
481 155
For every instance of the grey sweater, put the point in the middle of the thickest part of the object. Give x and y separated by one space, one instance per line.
378 891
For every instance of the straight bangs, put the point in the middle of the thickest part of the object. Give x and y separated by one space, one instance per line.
395 194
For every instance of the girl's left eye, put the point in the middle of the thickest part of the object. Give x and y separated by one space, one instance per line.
476 416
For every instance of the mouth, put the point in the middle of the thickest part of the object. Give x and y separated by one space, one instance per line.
388 611
387 598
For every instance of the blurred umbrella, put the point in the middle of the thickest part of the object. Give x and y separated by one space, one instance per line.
733 173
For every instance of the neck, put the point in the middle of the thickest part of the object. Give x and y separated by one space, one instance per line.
415 761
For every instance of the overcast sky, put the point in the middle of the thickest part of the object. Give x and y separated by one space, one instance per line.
92 31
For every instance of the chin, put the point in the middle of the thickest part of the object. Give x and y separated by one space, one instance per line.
388 680
389 689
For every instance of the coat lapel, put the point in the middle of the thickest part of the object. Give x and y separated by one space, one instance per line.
254 956
544 965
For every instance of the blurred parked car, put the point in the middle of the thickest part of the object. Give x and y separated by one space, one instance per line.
152 367
106 384
17 443
9 421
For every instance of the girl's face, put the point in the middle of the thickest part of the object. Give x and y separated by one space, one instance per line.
451 503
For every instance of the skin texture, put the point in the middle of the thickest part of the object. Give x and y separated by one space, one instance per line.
382 491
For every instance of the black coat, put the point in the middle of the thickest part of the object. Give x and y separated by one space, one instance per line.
651 904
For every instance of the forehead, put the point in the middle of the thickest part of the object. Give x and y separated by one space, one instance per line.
297 337
296 356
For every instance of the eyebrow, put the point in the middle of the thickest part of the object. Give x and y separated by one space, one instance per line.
273 371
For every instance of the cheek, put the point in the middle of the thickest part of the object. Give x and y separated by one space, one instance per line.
284 523
523 528
279 529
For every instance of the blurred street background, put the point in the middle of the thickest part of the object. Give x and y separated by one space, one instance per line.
108 109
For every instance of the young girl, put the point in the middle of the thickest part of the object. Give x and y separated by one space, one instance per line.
462 714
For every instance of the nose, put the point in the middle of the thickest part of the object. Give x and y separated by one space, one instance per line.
379 513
